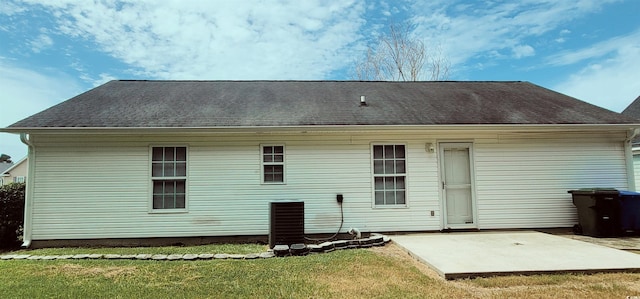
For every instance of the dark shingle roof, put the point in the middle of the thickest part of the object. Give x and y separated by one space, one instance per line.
195 104
633 110
4 167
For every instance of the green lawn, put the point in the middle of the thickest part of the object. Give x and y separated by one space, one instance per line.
382 272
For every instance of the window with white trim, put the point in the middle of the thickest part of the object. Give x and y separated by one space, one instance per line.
169 177
389 174
19 179
272 164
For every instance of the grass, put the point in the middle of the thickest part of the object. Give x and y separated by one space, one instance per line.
382 272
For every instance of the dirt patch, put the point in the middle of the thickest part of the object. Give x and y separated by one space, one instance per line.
389 274
624 243
394 251
77 270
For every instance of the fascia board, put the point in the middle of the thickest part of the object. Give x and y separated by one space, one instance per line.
324 128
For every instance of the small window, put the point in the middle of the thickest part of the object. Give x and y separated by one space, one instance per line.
389 174
19 179
169 177
273 164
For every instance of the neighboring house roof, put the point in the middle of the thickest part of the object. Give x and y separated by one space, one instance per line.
633 111
4 167
211 104
7 171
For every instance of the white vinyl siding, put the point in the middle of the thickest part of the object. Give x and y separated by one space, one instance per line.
91 192
100 187
524 185
636 170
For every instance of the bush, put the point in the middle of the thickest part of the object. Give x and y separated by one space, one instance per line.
11 214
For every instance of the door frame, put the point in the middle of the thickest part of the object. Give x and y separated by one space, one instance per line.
443 196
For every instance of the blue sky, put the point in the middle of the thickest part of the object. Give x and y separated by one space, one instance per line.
52 50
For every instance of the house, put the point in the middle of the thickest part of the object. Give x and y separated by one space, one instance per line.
140 160
16 173
633 110
4 166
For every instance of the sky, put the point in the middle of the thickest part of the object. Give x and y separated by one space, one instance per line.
52 50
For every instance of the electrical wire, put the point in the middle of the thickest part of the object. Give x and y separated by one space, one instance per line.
334 235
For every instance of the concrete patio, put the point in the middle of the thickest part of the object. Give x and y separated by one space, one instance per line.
482 254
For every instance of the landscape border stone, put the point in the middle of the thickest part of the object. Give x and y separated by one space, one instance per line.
325 247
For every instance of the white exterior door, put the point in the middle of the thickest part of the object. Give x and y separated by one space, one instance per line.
457 185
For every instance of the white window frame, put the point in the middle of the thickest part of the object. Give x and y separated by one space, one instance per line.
19 179
374 175
283 164
168 178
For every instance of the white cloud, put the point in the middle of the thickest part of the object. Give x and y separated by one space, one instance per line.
562 34
597 50
295 40
25 92
10 9
483 27
610 76
42 42
609 82
103 78
219 39
520 51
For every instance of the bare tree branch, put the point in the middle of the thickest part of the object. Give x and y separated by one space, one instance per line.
399 57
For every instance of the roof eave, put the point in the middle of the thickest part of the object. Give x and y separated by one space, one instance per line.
315 128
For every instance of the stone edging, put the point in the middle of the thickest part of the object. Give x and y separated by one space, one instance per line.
378 240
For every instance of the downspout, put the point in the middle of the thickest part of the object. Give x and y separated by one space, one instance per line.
628 154
28 198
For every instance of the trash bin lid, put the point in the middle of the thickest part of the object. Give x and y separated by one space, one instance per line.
594 191
629 193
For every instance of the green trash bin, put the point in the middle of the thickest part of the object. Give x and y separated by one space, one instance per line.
598 212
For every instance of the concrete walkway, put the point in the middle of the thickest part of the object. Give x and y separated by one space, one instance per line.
482 254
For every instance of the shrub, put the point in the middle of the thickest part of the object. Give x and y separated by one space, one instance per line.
11 214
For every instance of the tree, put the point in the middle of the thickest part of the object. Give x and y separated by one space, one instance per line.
4 158
400 57
11 214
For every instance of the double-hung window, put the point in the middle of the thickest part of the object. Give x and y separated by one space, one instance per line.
389 174
169 177
272 164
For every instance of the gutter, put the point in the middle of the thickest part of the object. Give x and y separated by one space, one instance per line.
318 128
628 155
28 198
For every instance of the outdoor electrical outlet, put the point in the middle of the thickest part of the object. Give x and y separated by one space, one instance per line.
433 213
339 198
